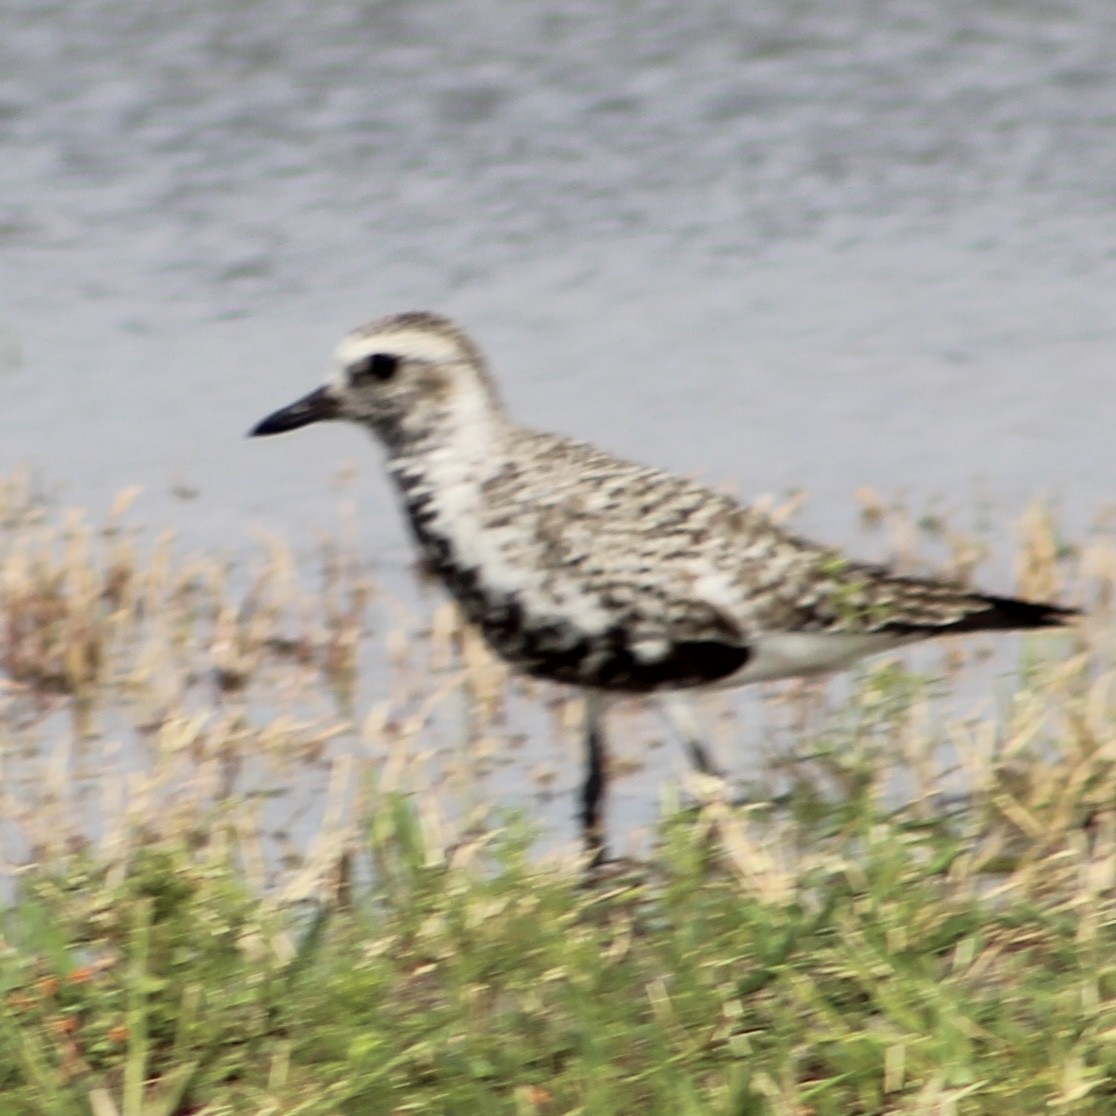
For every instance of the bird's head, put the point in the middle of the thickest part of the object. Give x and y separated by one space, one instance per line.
408 377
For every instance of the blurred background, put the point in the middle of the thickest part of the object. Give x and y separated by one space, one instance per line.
854 254
793 243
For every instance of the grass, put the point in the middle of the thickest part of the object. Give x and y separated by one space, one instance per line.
915 913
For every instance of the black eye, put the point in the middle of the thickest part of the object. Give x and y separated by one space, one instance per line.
378 366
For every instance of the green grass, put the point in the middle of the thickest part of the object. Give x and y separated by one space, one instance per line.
895 973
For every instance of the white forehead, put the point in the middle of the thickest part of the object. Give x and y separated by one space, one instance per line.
414 342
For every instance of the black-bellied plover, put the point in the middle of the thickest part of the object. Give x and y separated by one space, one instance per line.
585 569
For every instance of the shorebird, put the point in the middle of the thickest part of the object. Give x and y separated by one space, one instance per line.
585 569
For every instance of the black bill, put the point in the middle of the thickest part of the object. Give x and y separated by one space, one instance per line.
315 407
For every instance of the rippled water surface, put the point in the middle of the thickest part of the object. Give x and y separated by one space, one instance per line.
789 243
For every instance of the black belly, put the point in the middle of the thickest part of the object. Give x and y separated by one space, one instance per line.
606 662
557 652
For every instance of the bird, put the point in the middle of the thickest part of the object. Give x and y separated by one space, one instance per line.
618 578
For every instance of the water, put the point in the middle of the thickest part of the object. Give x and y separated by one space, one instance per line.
802 244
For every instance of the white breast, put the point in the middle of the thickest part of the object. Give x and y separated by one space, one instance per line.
506 556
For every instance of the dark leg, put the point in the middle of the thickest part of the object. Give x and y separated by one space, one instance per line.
680 712
702 760
592 826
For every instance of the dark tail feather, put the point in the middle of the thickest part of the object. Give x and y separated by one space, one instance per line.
1008 614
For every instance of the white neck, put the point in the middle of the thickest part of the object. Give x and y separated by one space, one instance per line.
467 434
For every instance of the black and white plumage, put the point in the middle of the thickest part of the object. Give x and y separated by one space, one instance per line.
585 569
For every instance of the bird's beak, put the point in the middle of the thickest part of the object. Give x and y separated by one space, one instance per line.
319 405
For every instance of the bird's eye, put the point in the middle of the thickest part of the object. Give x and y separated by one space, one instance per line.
378 366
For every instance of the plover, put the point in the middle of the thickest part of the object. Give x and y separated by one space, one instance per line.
585 569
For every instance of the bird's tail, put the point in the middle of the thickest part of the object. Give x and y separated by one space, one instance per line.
1014 614
988 613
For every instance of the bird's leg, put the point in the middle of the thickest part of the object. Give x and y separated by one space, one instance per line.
679 711
596 778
